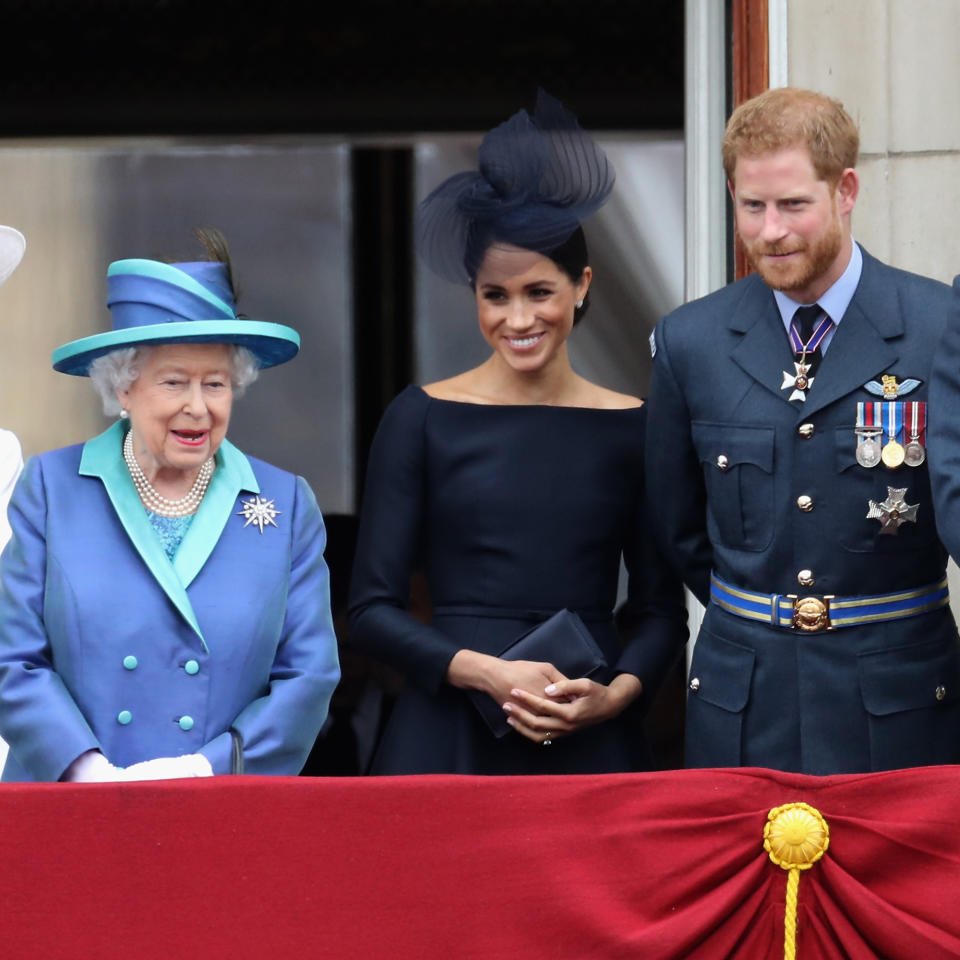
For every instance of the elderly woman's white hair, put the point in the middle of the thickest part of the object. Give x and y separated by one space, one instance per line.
118 369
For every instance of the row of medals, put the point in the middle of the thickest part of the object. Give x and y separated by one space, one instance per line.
892 454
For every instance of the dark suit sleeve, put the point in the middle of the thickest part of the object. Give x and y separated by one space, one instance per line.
653 620
675 487
943 430
388 544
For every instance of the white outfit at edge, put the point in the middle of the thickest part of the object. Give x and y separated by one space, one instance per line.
11 463
12 247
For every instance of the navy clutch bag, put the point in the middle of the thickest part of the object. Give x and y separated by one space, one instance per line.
564 641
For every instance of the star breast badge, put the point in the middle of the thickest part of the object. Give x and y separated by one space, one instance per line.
260 512
893 511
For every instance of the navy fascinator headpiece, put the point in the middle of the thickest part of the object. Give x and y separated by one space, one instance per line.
538 178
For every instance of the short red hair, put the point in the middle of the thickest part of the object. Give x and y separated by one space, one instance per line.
790 117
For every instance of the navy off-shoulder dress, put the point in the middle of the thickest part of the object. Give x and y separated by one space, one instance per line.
512 512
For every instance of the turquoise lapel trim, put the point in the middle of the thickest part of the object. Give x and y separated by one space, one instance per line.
102 457
232 476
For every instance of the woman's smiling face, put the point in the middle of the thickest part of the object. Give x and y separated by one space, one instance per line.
525 306
179 406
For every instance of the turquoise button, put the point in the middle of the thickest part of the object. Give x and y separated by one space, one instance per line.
130 662
192 667
186 723
124 717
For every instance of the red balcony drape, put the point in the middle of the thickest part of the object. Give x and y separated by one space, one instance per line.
649 865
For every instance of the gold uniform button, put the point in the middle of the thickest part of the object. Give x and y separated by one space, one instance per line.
806 430
695 684
940 692
722 462
805 578
805 503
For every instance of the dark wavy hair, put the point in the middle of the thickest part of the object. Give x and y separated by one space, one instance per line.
572 258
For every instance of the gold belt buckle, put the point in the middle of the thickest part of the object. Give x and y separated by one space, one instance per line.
811 613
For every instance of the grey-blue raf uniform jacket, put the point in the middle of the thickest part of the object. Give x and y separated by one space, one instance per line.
867 697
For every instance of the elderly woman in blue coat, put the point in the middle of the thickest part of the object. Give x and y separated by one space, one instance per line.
164 607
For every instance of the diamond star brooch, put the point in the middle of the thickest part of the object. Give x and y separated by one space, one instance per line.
260 512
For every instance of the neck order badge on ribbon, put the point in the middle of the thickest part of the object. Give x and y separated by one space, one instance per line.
802 379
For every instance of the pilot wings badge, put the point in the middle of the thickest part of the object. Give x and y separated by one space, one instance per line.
889 389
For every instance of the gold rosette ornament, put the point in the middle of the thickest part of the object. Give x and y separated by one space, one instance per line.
796 836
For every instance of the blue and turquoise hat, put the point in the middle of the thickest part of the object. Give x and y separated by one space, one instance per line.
152 302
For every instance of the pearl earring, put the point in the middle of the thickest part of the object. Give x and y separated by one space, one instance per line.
579 304
123 413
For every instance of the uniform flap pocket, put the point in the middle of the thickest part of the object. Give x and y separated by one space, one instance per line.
727 445
845 448
909 678
721 672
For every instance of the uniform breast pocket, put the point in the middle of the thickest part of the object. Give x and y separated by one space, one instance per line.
856 486
737 462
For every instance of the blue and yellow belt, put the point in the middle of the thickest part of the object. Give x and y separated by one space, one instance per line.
826 612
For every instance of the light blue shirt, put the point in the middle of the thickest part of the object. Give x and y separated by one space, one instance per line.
835 301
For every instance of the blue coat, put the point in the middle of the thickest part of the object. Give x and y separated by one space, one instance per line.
866 697
104 643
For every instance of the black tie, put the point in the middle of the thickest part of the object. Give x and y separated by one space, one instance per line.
804 320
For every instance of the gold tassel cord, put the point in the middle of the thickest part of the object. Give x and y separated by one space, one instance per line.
795 836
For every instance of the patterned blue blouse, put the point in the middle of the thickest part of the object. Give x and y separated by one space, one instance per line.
170 531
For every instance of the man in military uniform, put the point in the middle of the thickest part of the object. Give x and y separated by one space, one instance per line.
786 451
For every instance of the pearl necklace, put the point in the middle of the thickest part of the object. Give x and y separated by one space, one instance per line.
152 500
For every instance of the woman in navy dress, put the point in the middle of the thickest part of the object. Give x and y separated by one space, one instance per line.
517 486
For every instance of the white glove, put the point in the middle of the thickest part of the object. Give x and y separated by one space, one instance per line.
92 767
169 768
